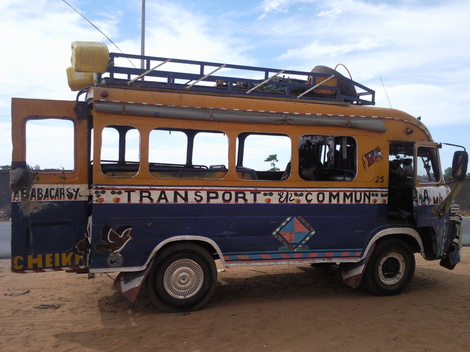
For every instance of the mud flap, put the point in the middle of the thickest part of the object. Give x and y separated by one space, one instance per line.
351 274
129 283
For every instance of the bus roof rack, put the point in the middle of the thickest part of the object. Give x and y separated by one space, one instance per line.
322 83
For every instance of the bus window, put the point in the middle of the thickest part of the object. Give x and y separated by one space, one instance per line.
190 154
211 149
39 144
167 147
401 163
120 151
327 158
262 156
428 170
401 181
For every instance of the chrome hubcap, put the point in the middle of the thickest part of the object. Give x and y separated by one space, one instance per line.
183 279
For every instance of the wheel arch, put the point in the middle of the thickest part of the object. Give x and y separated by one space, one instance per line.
206 243
406 234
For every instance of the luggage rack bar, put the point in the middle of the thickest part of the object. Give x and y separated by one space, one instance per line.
201 76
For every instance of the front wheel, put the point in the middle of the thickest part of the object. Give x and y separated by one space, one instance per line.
183 278
390 268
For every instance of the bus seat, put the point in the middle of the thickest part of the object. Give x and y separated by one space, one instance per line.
246 173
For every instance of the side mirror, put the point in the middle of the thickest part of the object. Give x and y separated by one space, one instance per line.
459 165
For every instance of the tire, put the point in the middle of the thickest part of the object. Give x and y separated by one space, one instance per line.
390 268
183 278
346 88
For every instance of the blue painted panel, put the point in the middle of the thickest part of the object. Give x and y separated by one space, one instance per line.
241 228
46 238
426 217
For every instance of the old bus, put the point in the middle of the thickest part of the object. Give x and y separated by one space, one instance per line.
155 173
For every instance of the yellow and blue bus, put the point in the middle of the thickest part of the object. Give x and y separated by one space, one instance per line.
156 173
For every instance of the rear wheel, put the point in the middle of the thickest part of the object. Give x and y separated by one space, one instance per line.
390 268
183 278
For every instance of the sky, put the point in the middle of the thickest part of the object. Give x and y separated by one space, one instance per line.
414 53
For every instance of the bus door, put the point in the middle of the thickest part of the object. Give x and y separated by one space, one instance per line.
431 192
49 182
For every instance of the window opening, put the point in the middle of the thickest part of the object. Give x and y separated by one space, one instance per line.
327 158
188 153
263 156
120 151
167 147
45 135
211 149
428 169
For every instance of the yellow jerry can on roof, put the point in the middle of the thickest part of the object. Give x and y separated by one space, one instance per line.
90 57
79 80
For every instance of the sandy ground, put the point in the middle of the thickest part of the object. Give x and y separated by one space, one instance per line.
278 308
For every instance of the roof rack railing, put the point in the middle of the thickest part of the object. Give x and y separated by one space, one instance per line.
177 74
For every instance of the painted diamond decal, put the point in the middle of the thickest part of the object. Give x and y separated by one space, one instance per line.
293 233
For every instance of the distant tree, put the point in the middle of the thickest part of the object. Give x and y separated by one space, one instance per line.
448 172
4 167
273 160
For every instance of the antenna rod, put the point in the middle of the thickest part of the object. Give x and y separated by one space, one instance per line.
142 35
383 85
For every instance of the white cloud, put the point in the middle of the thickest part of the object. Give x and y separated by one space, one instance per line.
37 37
431 102
276 6
316 48
188 33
